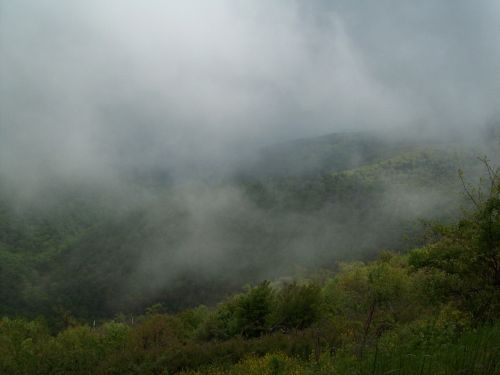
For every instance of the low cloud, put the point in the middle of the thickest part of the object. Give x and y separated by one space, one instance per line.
90 87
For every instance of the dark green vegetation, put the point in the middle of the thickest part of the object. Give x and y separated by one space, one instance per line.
79 265
94 251
433 310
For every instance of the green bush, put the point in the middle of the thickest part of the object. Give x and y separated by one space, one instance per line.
296 306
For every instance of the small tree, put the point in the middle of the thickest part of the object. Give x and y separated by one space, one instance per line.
253 310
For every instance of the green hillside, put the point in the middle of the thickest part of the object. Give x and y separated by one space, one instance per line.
433 310
97 252
330 153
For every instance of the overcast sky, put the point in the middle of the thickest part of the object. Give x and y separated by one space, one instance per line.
87 84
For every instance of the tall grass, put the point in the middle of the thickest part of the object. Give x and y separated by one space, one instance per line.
475 353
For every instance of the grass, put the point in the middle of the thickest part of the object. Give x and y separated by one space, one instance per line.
475 353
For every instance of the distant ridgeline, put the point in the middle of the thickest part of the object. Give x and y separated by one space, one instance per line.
305 205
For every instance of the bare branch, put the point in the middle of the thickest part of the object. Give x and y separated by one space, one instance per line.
491 173
466 189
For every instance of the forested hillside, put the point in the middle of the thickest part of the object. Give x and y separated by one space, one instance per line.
95 252
431 310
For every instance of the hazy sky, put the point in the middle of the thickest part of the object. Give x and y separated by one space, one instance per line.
86 85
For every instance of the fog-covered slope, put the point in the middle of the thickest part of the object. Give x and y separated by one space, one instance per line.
310 203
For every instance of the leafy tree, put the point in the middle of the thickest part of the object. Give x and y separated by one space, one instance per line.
253 310
297 306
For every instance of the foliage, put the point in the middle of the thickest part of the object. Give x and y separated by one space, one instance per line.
366 318
466 258
296 306
432 310
77 248
253 309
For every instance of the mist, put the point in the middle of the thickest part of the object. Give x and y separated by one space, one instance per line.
90 87
159 107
